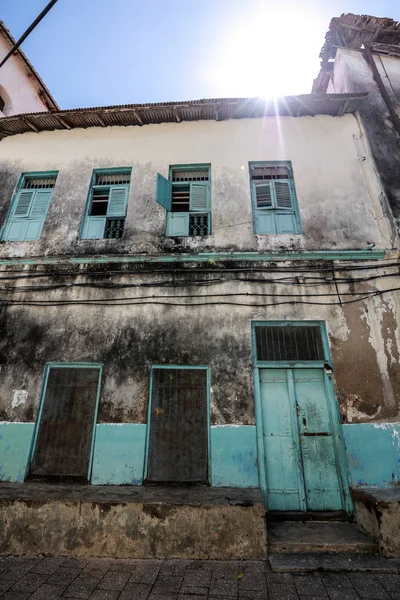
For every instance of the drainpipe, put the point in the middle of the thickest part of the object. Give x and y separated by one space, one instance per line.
369 57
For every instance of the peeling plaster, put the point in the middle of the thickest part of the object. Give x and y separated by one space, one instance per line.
20 397
374 319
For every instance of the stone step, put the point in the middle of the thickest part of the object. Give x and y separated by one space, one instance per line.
293 515
341 562
292 537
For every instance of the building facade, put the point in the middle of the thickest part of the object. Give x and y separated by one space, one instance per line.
202 293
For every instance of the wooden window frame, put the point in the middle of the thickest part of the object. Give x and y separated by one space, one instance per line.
11 217
274 210
101 220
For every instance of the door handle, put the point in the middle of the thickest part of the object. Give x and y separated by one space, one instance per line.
316 433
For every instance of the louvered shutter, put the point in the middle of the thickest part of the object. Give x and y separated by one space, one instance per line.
40 204
117 201
22 203
199 197
164 192
283 195
263 195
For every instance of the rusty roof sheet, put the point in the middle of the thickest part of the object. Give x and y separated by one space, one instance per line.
353 31
218 109
51 103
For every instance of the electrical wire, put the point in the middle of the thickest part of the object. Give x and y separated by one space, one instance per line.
155 300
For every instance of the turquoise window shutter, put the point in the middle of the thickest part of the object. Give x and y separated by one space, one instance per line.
285 222
283 195
263 195
23 202
118 201
199 197
178 224
265 222
93 228
164 192
274 200
28 215
15 230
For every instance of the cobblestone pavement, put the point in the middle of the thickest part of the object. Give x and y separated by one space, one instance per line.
55 578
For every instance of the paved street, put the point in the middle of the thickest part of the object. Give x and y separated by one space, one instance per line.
105 579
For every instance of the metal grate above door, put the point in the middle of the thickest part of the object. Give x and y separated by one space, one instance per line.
289 343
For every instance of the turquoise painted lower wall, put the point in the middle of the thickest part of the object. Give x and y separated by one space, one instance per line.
373 453
119 451
15 443
234 456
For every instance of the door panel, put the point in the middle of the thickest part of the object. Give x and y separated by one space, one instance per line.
301 468
282 461
66 426
316 441
178 441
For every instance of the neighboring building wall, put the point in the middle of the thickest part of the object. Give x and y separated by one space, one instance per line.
338 206
18 87
352 74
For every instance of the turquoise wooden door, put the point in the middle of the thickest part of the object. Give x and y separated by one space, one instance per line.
300 458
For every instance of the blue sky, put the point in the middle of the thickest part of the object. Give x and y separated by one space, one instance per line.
97 52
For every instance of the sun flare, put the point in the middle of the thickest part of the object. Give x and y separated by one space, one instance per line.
264 55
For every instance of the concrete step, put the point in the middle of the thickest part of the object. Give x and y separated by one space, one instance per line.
311 537
293 515
341 562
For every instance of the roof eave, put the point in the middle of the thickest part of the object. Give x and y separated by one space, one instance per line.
219 109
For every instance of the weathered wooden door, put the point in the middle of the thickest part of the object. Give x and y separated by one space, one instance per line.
178 440
64 440
302 470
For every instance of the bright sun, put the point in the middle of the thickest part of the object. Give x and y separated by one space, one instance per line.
271 53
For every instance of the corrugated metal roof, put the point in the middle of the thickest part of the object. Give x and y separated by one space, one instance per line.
218 109
51 103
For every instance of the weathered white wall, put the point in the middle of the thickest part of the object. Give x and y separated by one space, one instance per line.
336 208
351 74
21 89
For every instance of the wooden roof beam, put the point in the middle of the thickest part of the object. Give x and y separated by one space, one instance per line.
30 124
62 121
176 113
101 120
138 117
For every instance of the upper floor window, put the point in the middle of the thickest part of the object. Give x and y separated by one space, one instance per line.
273 196
107 203
29 207
186 196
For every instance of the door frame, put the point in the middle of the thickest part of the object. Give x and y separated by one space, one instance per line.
333 407
65 365
147 443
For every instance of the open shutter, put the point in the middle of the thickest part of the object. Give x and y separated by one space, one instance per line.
283 194
93 228
263 195
178 224
199 197
22 203
164 192
117 201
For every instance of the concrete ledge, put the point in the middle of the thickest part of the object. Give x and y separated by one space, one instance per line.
132 521
377 512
